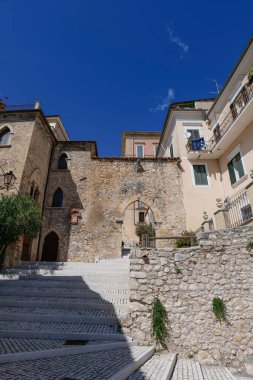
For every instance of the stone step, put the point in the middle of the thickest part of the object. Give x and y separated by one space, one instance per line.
32 349
64 284
64 303
59 318
110 295
107 365
87 328
159 367
59 312
113 299
66 271
212 372
188 369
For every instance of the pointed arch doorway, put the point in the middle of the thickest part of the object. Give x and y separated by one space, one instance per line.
50 247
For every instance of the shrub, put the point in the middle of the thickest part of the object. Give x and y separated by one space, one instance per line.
181 243
159 321
249 246
219 309
144 228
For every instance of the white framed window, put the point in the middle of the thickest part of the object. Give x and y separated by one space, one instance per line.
193 133
200 175
171 151
155 147
140 150
235 168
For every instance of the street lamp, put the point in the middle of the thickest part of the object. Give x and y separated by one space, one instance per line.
9 179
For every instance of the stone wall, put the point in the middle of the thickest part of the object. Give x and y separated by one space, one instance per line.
186 280
102 188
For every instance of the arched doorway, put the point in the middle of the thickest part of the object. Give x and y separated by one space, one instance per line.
135 212
50 247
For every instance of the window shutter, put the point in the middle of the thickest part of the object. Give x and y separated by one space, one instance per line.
239 165
231 172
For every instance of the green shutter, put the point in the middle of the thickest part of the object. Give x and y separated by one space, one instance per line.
231 172
239 165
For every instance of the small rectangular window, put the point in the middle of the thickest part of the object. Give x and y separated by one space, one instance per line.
141 217
171 151
235 168
200 175
140 151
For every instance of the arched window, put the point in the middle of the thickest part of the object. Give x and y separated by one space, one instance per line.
58 198
4 136
62 162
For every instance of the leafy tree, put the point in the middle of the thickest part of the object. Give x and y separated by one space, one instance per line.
19 215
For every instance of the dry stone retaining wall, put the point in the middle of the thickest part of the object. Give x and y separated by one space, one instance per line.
221 267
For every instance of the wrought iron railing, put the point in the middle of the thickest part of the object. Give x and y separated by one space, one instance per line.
196 145
238 105
238 209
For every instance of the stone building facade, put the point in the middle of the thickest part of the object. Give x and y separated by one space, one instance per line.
84 199
101 190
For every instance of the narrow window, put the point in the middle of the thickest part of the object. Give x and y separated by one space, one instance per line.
171 151
141 217
140 150
235 168
155 149
200 175
195 135
4 136
57 198
62 162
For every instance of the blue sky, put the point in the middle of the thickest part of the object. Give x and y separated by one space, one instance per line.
107 66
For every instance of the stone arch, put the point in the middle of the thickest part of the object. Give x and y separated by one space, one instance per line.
5 135
136 211
50 248
62 161
143 199
57 198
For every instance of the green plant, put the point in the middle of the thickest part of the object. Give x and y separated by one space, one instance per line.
178 270
20 215
219 309
159 321
144 228
188 240
250 74
249 246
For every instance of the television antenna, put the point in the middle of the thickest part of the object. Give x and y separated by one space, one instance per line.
217 92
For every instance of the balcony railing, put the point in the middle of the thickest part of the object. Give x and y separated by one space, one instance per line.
196 145
238 105
238 209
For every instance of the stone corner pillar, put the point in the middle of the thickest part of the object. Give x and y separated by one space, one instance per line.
221 219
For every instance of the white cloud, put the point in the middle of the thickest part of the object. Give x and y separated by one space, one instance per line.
176 40
165 101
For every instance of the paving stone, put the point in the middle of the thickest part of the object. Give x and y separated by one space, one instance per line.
154 369
187 370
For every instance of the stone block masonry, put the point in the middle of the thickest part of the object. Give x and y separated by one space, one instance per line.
102 188
186 280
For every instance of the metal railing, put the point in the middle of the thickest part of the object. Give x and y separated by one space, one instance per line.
238 105
196 145
149 241
237 209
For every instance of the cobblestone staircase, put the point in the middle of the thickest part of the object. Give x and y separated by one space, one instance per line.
62 321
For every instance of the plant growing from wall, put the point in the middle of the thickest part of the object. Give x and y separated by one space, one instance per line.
219 309
249 246
159 321
178 270
189 240
20 215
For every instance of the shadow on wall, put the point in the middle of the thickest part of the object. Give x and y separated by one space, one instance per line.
94 321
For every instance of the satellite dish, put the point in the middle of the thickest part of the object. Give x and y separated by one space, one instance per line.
188 134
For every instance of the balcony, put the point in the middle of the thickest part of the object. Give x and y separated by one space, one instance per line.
196 148
235 121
